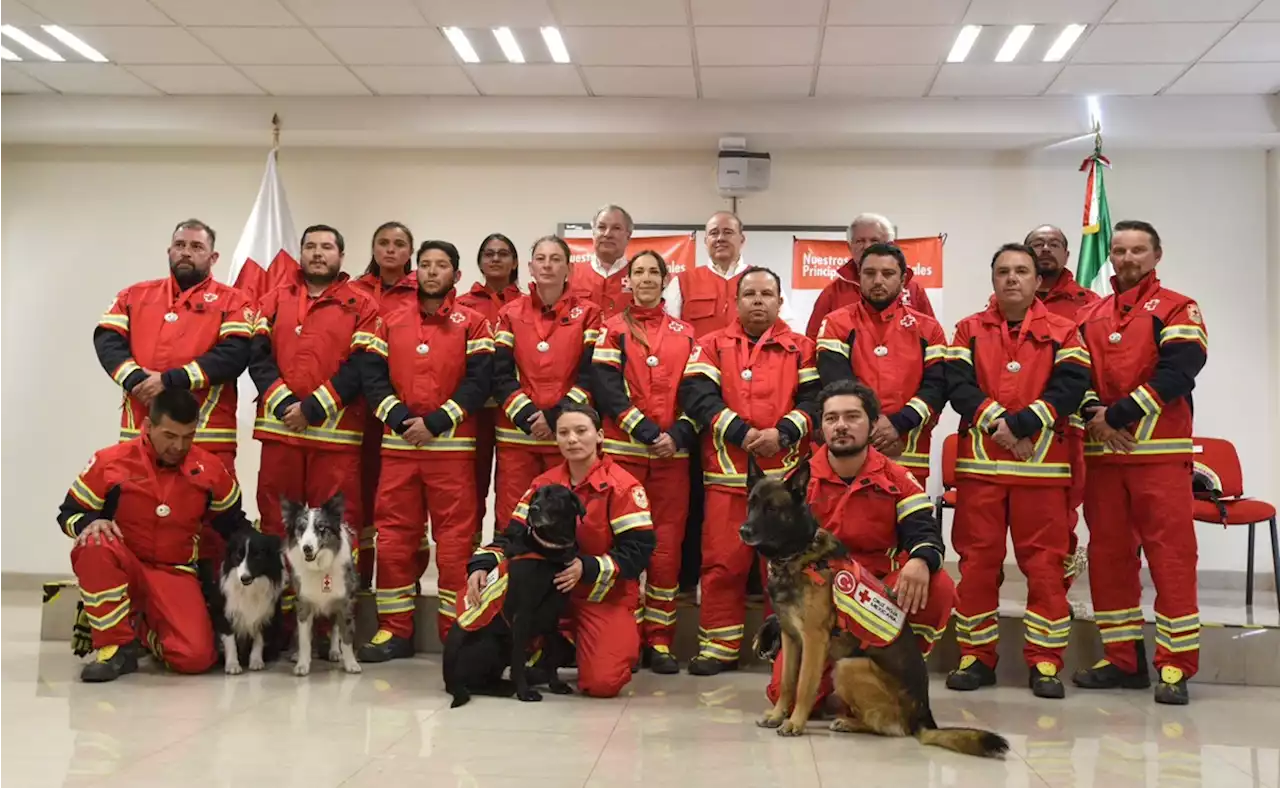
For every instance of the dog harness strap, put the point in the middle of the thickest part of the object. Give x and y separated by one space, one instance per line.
811 571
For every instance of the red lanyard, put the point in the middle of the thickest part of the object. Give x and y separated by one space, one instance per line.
754 354
305 304
161 493
1009 341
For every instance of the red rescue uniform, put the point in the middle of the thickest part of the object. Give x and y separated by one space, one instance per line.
615 540
144 586
637 378
705 297
734 383
438 367
899 353
1148 345
542 359
198 339
846 290
607 288
1032 375
488 302
885 519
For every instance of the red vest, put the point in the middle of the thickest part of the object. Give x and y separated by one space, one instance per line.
488 302
864 605
402 294
708 301
611 294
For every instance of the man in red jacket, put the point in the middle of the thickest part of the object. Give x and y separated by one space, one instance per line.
752 388
426 375
1148 344
185 331
895 350
865 230
1015 373
135 512
603 281
305 364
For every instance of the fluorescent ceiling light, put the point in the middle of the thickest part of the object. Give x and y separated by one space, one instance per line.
75 43
1064 43
1017 37
507 40
30 43
555 44
964 42
461 45
5 54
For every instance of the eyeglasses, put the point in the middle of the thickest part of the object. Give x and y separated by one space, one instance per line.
496 254
1052 243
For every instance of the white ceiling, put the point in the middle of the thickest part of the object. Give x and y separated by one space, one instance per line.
712 49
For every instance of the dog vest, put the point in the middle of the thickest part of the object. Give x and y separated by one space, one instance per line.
864 605
492 597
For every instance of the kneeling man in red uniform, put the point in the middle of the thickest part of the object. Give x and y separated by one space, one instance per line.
135 512
878 510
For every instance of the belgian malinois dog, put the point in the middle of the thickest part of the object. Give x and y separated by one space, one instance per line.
885 687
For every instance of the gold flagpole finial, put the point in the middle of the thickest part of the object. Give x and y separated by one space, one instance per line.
1097 137
275 132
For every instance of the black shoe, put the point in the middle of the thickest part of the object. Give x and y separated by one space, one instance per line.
385 647
710 666
1172 689
1105 675
662 662
971 675
111 662
1045 682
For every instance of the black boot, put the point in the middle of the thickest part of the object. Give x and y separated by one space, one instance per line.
660 660
971 675
1105 675
385 647
710 666
111 662
1172 689
1045 682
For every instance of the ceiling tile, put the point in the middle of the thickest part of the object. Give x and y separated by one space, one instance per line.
356 13
293 46
507 79
1248 42
1021 12
14 80
1225 78
993 79
1267 11
487 13
88 78
387 46
416 80
628 46
1156 43
1177 10
130 45
874 81
245 13
197 80
645 81
756 82
306 80
714 13
756 46
620 12
99 12
13 12
895 12
1126 80
886 45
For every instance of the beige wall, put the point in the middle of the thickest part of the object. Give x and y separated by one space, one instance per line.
80 223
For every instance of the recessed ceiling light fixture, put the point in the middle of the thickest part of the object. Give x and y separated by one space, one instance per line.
555 44
1066 39
1013 44
30 43
964 42
507 40
75 43
460 44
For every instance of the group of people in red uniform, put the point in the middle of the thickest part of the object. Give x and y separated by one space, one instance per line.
400 393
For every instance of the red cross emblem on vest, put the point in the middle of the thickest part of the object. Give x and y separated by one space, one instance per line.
864 597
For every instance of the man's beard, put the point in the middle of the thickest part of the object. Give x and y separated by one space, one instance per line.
847 450
881 305
441 293
187 276
1047 268
319 279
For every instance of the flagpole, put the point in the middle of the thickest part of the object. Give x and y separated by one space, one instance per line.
275 134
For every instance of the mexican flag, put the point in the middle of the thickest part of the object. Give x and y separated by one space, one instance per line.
1094 268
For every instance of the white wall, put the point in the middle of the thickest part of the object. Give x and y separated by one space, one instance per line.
79 223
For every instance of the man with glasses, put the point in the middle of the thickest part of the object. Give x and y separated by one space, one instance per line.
1059 291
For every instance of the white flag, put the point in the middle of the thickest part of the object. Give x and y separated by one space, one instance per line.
268 249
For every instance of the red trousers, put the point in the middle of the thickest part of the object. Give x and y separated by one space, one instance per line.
172 618
668 481
485 442
607 640
928 625
443 485
212 545
726 563
517 468
1036 517
1148 505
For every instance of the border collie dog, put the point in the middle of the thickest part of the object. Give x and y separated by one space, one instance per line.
325 579
246 607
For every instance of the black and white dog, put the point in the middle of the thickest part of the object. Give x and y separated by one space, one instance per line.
325 578
246 599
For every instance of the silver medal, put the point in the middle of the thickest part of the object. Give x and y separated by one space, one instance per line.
1114 338
544 346
298 330
746 374
422 349
170 317
163 510
652 361
882 351
1013 366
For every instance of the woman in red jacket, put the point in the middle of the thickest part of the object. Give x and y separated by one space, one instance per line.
500 266
388 280
639 361
543 344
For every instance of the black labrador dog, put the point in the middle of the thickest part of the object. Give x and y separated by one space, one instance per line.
520 606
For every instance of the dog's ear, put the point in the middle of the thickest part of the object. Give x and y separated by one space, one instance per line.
754 474
289 511
335 507
798 482
577 505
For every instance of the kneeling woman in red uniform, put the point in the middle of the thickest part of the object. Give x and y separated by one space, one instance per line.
542 361
639 360
615 540
877 509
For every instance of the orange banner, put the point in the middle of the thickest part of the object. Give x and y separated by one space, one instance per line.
814 262
678 250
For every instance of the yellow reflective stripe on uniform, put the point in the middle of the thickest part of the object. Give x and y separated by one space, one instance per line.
362 339
1047 632
708 371
1077 354
279 395
1075 421
380 347
921 407
630 419
504 339
114 321
395 600
660 617
1044 470
493 591
85 495
123 371
1145 447
626 448
521 512
482 345
801 421
1145 399
590 336
234 328
225 503
384 408
661 594
326 400
919 502
934 353
113 594
628 522
69 525
872 624
720 426
1184 334
578 395
323 434
604 579
960 354
518 438
607 355
1122 616
808 375
111 618
519 401
834 346
988 414
196 379
1041 409
454 411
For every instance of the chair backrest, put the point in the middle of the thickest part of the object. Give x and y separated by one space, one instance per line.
1218 458
949 448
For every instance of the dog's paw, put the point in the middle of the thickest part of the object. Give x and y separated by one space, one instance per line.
560 688
844 725
257 663
791 728
529 696
335 654
234 669
352 666
302 669
770 720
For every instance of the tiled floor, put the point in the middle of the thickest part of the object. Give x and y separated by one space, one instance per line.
392 726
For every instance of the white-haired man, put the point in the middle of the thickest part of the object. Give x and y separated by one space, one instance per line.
603 281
